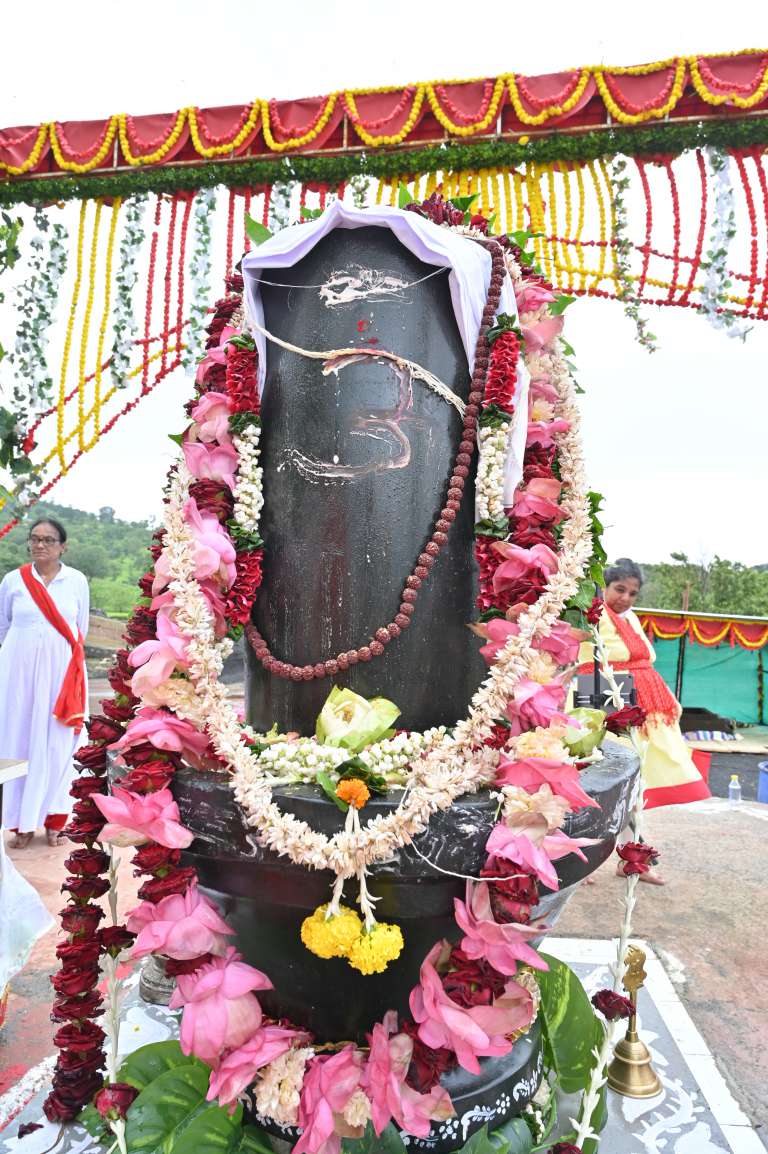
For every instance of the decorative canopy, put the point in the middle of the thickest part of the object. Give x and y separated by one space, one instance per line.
705 628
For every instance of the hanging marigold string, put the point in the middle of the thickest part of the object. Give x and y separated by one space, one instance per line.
69 333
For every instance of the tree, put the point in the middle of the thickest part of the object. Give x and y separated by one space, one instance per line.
717 586
107 515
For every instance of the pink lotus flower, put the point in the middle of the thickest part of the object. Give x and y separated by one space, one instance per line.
543 432
501 944
211 418
498 631
237 1069
542 389
211 462
181 926
532 296
562 642
539 499
220 1012
530 845
473 1033
537 562
216 355
165 731
542 333
212 594
329 1083
214 553
532 772
135 818
155 661
535 704
390 1095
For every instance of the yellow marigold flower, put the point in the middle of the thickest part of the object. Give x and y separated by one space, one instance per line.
353 792
331 937
372 952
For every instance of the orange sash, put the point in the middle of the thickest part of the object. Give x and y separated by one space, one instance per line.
70 704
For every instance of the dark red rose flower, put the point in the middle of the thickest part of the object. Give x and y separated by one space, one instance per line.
85 888
174 968
145 583
80 1037
595 610
84 831
121 666
528 535
502 372
113 939
102 729
241 596
93 757
437 209
153 857
86 810
427 1065
637 857
175 882
117 713
479 222
85 786
630 717
73 981
488 561
114 1099
565 1148
149 777
73 1061
28 1128
57 1109
511 900
87 862
140 754
612 1006
499 736
81 953
472 983
118 685
81 919
213 497
71 1009
241 380
142 626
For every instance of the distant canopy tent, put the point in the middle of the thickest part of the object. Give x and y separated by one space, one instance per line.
712 661
645 184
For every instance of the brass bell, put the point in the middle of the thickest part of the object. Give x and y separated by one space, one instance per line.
630 1072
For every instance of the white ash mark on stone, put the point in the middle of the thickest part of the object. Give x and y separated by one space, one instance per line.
357 283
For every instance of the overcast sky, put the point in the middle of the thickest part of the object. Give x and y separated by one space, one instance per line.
676 441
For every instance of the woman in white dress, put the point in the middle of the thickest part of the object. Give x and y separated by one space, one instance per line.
44 611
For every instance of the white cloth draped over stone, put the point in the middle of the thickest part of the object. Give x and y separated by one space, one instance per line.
33 660
23 918
469 278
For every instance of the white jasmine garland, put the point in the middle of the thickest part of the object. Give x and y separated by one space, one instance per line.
124 323
36 299
200 275
492 443
248 491
714 292
622 248
457 763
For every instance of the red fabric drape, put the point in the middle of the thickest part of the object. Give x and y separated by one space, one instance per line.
70 704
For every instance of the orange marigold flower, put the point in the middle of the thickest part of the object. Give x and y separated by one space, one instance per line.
353 792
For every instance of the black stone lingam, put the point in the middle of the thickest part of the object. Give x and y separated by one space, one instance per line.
355 474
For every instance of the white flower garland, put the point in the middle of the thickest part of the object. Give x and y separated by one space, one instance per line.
36 302
124 323
622 247
459 763
200 276
248 492
714 293
493 442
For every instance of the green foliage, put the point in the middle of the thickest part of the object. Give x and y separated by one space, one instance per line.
388 1142
149 1062
112 553
570 1025
716 586
657 139
257 232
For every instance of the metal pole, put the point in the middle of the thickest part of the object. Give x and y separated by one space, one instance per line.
680 667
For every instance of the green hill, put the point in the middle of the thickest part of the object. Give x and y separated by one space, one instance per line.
112 553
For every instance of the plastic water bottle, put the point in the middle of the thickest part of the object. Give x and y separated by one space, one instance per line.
734 790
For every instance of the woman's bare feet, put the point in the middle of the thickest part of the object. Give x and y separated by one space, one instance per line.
651 878
55 837
22 840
